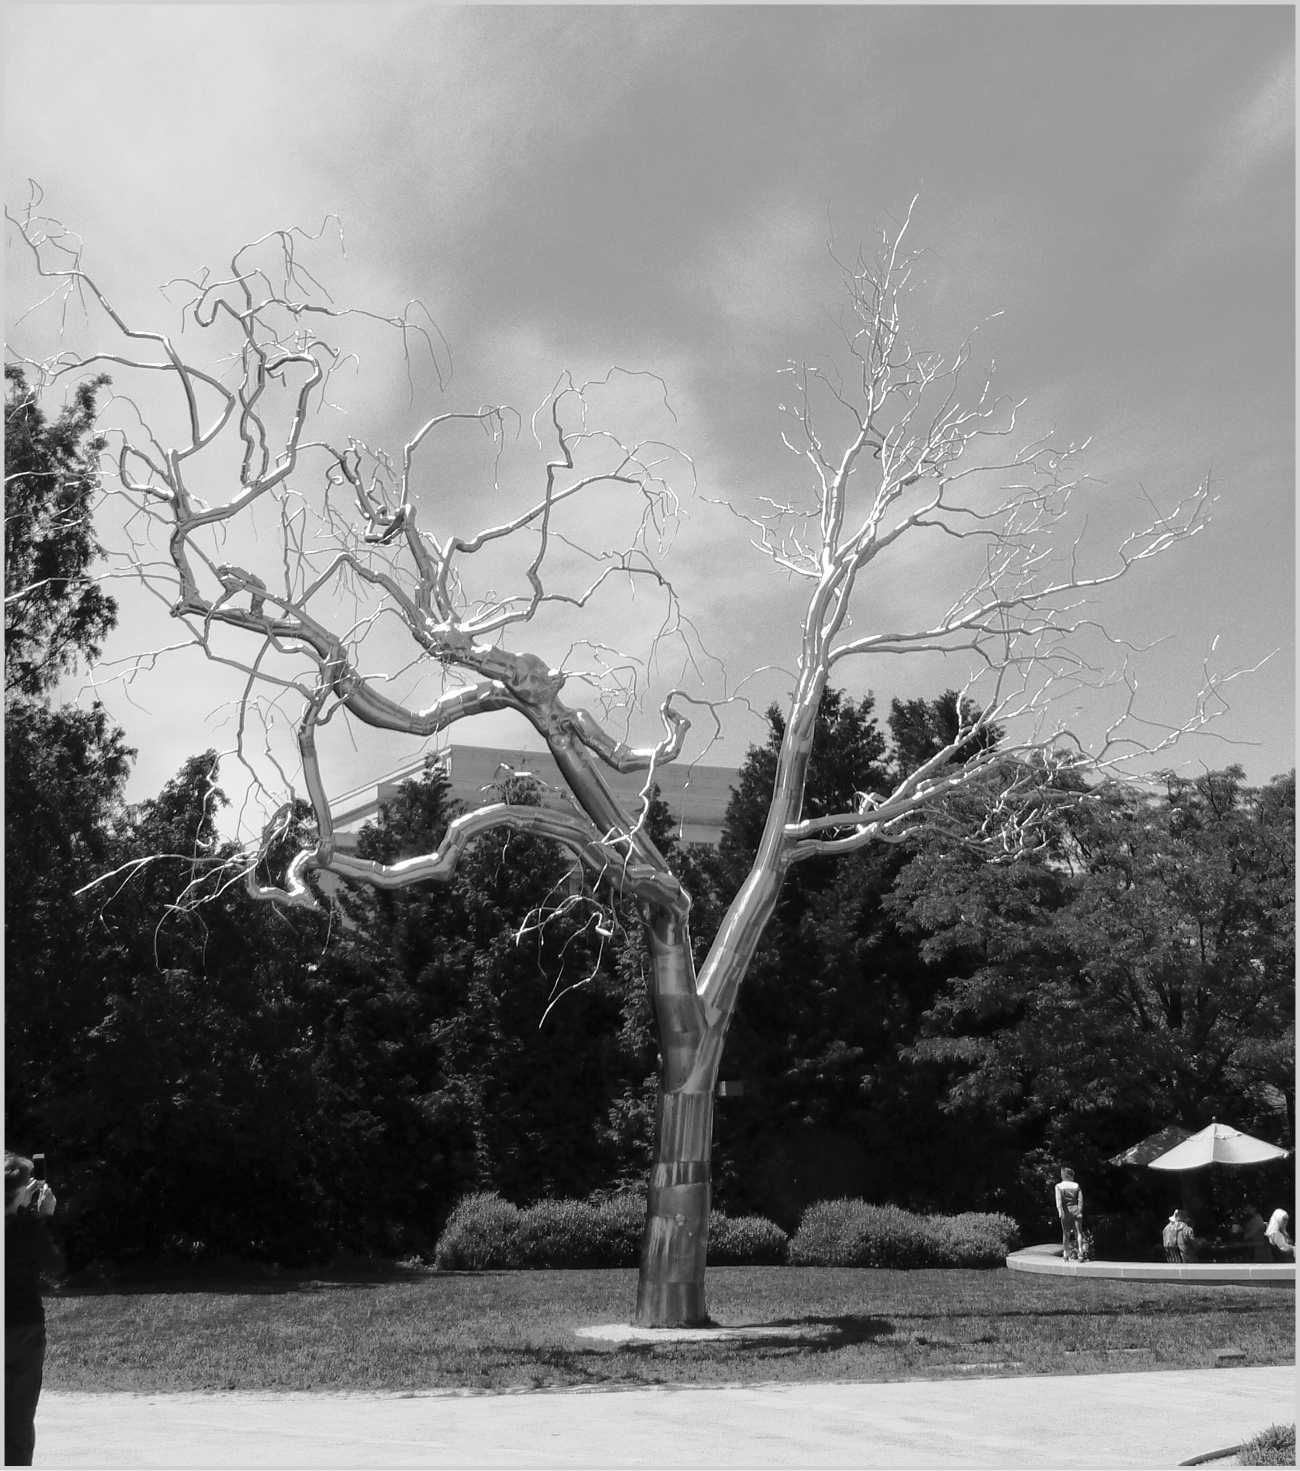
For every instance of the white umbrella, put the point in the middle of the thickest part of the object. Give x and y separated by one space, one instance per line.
1218 1144
1152 1147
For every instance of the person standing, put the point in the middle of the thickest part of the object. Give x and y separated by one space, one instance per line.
29 1255
1069 1206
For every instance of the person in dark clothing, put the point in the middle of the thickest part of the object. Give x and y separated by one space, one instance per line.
29 1254
1255 1234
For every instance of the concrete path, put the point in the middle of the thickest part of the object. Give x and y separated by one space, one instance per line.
1152 1419
1048 1261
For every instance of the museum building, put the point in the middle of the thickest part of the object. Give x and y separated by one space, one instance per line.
697 796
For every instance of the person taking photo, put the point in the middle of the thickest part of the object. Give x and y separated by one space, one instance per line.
29 1255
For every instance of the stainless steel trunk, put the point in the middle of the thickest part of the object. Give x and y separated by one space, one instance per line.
675 1245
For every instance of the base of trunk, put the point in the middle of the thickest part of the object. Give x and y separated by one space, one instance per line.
671 1305
675 1245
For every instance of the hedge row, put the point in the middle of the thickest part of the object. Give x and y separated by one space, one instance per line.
746 1241
851 1233
485 1231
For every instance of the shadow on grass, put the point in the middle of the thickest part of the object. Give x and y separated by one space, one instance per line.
1140 1307
824 1334
633 1362
245 1282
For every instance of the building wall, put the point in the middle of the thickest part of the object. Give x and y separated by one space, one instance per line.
697 796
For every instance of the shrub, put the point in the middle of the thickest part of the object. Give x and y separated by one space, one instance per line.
973 1239
555 1233
852 1233
747 1241
622 1222
485 1232
481 1232
580 1233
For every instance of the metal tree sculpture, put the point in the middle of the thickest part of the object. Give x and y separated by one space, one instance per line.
359 537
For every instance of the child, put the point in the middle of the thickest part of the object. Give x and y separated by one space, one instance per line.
1069 1206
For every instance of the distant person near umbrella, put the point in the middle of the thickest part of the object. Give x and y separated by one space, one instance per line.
1069 1206
1278 1232
1255 1234
1178 1238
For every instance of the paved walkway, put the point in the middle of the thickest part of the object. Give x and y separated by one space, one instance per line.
1152 1419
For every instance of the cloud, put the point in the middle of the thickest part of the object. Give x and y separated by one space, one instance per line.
1258 135
754 272
573 186
1237 198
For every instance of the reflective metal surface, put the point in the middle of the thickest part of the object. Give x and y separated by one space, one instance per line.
906 429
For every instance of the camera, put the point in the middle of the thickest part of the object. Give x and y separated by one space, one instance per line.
38 1183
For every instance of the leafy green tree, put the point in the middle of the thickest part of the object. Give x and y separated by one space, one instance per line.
189 1121
520 1064
64 772
64 766
55 612
238 1081
835 992
1140 973
920 729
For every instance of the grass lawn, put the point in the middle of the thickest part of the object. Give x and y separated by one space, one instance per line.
1272 1447
514 1330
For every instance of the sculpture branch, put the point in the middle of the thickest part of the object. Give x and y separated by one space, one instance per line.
604 862
903 450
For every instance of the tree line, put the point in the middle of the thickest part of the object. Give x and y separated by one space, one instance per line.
216 1078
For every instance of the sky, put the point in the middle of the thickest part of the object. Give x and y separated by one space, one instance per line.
1105 193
